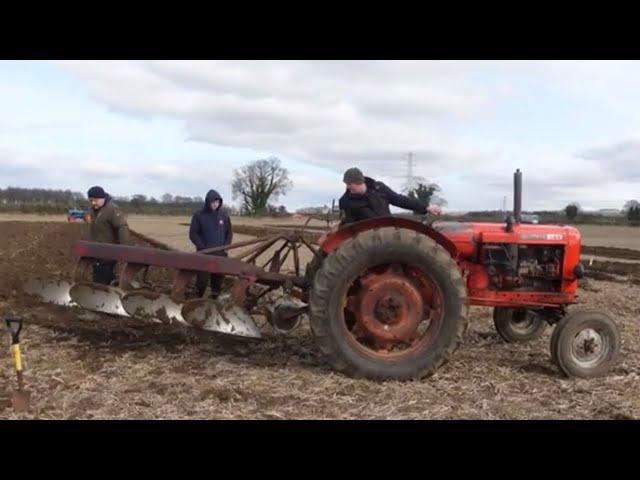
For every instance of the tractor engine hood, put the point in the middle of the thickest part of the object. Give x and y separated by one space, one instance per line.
468 235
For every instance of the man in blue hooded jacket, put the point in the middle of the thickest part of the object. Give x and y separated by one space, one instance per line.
210 227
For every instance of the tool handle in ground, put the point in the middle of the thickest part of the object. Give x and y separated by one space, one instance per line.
17 356
14 324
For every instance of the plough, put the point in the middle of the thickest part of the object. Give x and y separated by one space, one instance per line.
228 314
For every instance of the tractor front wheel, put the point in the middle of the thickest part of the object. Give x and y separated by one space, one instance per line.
585 344
388 303
518 324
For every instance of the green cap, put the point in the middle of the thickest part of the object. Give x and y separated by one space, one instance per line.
353 175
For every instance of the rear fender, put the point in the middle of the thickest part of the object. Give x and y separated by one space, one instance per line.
334 239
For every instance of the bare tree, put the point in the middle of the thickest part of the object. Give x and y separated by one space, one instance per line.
428 193
572 210
629 205
258 182
632 210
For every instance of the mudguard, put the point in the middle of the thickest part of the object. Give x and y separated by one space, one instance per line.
334 239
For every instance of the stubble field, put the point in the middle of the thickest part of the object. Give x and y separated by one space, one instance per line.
111 367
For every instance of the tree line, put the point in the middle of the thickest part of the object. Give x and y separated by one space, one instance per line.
630 213
52 201
257 185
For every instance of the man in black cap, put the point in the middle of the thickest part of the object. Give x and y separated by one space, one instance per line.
108 225
367 198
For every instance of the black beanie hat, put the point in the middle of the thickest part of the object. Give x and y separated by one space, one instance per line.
353 175
96 192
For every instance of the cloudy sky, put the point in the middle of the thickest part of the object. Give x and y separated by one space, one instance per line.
154 127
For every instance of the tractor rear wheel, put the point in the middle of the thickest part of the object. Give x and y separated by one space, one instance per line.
312 268
585 344
518 324
388 303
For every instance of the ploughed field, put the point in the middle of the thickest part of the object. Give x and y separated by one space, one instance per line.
110 367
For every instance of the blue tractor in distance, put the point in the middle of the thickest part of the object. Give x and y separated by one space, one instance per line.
77 215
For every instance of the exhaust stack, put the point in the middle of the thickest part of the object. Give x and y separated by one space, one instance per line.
517 196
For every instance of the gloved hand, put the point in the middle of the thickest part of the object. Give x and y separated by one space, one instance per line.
434 210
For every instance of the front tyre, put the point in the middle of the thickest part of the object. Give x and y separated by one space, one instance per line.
518 325
585 344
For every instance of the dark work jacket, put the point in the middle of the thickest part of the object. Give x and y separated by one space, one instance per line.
210 228
375 202
108 224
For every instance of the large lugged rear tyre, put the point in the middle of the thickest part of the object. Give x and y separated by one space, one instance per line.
388 304
312 268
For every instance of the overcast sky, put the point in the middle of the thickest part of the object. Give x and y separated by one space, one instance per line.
154 127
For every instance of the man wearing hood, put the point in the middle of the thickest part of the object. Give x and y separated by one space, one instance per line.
210 227
108 225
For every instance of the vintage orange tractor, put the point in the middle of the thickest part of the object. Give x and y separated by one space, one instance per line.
386 297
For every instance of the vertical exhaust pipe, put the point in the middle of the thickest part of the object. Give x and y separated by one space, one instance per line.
517 216
517 196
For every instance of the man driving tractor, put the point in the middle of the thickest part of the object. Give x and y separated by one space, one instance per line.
367 198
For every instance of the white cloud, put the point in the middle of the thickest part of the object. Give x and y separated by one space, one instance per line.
301 110
621 159
552 188
324 116
12 163
100 169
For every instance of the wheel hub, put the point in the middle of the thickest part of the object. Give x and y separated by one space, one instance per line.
523 321
389 308
588 346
